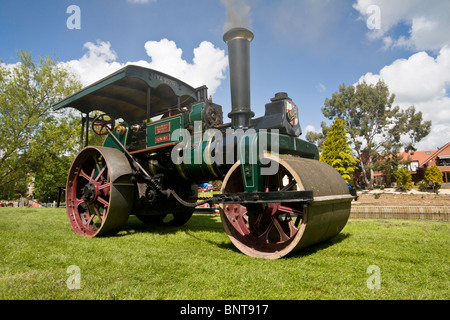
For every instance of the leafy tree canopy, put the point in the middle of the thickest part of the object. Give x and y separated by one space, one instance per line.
318 137
336 151
374 125
31 135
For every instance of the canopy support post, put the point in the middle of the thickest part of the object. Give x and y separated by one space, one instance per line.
148 104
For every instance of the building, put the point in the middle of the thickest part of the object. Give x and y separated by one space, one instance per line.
441 158
416 166
419 162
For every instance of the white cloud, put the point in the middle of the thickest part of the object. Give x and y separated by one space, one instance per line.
10 67
98 62
428 22
310 128
422 81
321 87
207 68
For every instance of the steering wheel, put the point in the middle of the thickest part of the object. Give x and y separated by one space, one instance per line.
102 122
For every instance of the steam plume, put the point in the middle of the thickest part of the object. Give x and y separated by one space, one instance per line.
237 13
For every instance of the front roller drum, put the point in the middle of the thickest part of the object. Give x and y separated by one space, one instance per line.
273 230
99 194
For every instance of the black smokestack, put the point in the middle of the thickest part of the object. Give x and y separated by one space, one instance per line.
238 41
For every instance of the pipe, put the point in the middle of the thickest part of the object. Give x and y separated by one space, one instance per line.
238 42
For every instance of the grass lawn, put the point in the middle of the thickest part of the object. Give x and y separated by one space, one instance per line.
197 261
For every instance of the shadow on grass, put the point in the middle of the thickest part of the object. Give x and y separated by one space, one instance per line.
202 222
212 223
320 246
197 223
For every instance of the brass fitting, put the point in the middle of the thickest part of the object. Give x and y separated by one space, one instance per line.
121 130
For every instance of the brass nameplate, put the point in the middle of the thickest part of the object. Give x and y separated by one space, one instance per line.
163 138
162 128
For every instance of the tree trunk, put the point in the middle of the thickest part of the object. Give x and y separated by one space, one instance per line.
371 180
363 169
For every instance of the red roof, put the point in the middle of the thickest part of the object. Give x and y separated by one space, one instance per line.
444 151
419 156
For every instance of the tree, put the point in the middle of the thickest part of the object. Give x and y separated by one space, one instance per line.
318 137
31 134
336 151
47 179
389 163
433 175
404 179
374 124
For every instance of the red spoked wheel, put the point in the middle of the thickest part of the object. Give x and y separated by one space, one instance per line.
101 122
99 196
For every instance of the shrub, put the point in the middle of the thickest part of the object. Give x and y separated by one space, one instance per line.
434 175
404 179
423 185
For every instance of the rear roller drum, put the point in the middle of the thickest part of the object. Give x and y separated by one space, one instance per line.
99 196
273 230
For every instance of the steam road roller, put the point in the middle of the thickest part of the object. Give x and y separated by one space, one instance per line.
164 137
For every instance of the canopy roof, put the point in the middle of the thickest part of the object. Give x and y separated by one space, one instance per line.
133 93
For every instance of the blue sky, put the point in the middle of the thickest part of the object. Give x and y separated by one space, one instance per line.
303 47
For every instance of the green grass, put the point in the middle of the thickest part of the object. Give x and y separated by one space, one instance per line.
197 261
